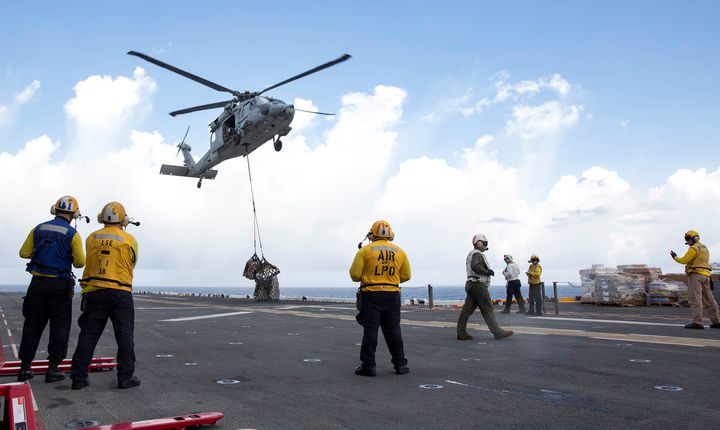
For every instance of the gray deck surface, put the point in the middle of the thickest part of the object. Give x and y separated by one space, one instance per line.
294 362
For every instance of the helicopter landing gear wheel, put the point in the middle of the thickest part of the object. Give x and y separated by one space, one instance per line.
199 184
278 145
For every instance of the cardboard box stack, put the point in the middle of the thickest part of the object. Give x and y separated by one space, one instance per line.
625 286
587 281
667 293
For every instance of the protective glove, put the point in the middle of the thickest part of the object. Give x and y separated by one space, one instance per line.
673 254
492 273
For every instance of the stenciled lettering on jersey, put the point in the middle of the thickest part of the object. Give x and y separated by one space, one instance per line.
385 257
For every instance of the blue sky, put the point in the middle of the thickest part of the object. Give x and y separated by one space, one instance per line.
643 75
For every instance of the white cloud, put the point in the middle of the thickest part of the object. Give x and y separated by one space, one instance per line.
315 202
429 118
104 109
505 91
27 93
624 123
549 118
8 113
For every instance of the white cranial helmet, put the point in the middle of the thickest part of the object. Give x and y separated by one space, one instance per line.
479 238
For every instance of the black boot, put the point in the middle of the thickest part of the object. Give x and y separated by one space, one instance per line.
54 374
25 373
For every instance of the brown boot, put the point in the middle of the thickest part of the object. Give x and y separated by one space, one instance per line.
464 337
504 334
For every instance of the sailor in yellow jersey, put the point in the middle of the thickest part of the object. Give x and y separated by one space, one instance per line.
380 267
535 298
52 247
107 294
697 268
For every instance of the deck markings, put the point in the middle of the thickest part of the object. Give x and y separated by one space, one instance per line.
204 317
609 321
620 337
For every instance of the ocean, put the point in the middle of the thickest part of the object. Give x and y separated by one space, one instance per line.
442 294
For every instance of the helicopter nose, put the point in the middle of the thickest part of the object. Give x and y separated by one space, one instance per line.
289 111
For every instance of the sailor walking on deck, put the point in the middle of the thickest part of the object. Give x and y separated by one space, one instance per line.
476 287
107 294
52 247
512 276
380 267
697 269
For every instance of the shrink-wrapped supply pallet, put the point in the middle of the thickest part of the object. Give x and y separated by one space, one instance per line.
667 293
620 289
649 274
587 281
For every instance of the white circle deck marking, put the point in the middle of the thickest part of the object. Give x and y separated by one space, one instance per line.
191 364
482 343
430 386
329 327
163 355
228 381
358 344
293 334
624 344
472 359
234 343
312 360
640 360
245 326
190 332
668 388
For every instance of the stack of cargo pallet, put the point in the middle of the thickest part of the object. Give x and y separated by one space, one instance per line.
587 281
624 286
620 289
667 293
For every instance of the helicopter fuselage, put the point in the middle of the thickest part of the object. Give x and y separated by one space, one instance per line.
242 128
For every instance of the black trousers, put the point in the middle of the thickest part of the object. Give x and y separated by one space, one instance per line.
99 306
380 309
513 290
47 299
535 299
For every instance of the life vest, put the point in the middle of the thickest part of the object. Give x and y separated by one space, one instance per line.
52 253
701 263
110 260
472 275
383 263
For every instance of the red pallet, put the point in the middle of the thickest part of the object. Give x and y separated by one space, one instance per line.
41 366
19 406
177 423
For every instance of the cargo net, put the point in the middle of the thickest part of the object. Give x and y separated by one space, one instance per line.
264 273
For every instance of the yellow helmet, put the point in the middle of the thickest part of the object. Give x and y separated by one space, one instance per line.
534 257
113 213
67 205
691 237
381 229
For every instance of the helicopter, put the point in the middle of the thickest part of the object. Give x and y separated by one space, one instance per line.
247 121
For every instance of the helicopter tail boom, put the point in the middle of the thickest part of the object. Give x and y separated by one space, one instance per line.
169 169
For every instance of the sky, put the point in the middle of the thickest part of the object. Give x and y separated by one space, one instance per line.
584 132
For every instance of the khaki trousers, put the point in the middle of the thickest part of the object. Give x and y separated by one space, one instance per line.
699 295
478 296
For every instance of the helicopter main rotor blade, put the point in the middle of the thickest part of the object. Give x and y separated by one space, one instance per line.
309 72
201 107
316 113
188 75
